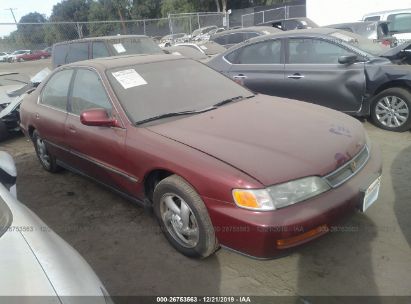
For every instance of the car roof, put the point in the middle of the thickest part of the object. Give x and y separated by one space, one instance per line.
323 31
101 38
106 63
404 10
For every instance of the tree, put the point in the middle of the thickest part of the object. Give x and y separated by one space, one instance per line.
31 35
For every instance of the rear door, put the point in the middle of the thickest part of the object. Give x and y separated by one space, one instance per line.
96 151
313 74
259 66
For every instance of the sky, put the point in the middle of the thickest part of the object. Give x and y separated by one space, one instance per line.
21 8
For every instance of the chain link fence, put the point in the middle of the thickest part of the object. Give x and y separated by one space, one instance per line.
37 36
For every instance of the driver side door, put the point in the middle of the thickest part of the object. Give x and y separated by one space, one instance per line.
95 151
313 74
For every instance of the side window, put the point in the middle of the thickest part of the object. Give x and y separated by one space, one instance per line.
56 90
100 49
88 93
312 51
399 23
232 57
77 52
59 54
266 52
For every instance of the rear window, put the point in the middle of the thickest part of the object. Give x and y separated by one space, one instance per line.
59 54
77 52
134 45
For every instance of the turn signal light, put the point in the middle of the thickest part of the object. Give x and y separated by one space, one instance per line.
302 238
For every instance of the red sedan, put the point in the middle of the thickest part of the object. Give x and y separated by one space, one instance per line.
219 165
34 55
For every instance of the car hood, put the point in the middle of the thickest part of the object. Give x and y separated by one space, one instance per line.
271 139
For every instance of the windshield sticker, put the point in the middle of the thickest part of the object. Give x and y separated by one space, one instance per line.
203 47
119 48
176 53
129 78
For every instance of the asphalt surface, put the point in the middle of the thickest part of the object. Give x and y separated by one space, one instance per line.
370 255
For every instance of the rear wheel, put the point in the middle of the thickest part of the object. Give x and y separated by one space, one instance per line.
47 160
391 109
183 217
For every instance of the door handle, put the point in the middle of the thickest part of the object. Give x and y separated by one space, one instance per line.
295 76
240 76
72 128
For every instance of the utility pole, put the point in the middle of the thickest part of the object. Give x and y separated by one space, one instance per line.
11 10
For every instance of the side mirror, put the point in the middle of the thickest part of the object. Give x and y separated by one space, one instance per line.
347 59
97 118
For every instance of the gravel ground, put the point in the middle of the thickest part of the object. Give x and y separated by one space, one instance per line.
124 245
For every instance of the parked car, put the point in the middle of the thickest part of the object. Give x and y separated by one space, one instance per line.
96 47
32 55
329 67
203 33
231 37
224 167
12 57
4 56
376 30
169 40
36 261
293 24
11 97
399 22
208 48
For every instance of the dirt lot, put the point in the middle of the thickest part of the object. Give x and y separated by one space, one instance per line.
127 250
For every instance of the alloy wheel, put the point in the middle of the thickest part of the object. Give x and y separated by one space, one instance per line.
392 111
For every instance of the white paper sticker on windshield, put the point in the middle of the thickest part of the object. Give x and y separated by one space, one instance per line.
129 78
203 47
176 53
119 48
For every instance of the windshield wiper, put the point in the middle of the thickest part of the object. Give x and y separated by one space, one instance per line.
174 114
233 99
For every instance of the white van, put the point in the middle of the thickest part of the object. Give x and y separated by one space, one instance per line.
399 22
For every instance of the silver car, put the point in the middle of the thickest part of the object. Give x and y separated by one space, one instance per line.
34 261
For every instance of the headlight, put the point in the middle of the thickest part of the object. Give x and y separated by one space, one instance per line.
279 196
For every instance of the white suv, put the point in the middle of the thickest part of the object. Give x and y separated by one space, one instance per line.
399 22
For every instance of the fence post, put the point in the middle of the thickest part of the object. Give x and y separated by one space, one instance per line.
144 26
242 23
170 25
198 20
191 27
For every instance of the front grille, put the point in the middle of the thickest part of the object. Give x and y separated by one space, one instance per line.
348 170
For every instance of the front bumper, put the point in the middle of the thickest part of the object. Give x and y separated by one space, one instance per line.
257 233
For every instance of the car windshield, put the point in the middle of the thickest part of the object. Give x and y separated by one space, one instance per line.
368 47
6 217
154 89
134 45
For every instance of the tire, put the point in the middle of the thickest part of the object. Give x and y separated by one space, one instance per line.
391 109
47 160
4 132
197 239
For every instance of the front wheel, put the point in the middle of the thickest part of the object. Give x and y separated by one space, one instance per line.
47 160
183 217
390 109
